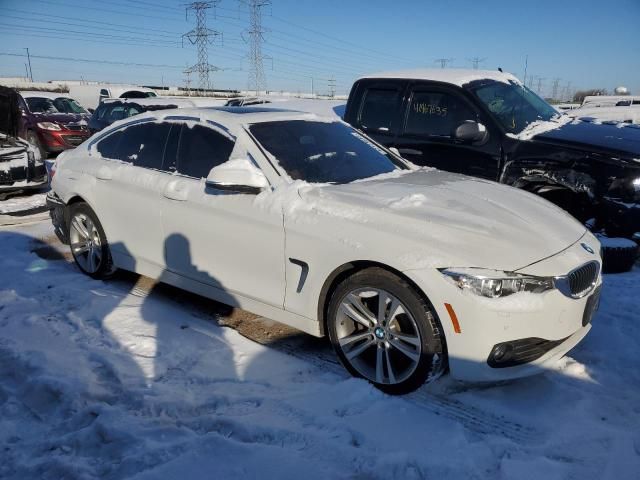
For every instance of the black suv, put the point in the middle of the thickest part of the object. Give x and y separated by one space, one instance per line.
487 124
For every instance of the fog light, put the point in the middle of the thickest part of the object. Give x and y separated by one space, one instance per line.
501 353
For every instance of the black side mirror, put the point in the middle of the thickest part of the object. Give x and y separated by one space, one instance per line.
471 132
91 110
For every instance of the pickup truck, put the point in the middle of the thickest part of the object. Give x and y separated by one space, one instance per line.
488 124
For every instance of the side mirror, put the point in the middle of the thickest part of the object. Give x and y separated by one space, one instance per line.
471 132
238 175
91 110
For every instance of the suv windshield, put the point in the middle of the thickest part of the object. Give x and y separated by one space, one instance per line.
514 105
322 152
68 105
41 105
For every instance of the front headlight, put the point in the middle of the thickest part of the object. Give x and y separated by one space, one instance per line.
635 184
49 126
496 284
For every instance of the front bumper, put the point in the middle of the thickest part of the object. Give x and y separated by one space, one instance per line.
556 320
22 174
57 141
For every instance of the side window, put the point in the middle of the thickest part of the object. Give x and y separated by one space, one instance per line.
104 93
108 147
117 112
201 149
378 109
436 114
143 145
100 111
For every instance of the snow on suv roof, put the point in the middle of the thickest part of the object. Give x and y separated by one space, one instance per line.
455 76
229 117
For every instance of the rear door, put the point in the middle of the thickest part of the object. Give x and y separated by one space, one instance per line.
130 179
432 112
221 238
378 109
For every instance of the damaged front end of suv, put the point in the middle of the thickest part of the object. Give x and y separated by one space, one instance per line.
21 167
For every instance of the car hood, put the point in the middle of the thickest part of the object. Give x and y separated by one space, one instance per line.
445 220
63 118
603 138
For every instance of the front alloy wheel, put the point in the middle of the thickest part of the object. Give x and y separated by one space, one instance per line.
385 332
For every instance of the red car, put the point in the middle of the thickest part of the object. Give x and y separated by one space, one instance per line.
52 122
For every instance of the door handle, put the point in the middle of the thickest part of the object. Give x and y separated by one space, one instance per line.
410 151
104 173
175 190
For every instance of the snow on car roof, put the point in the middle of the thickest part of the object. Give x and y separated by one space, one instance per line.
455 76
36 94
153 101
228 117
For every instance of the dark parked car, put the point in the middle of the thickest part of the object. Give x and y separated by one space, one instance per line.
487 124
52 122
21 168
112 110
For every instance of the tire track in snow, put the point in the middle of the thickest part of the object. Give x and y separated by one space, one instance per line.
472 418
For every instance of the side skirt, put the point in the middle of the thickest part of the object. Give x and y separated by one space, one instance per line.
147 269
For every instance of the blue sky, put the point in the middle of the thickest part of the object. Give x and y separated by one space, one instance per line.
586 42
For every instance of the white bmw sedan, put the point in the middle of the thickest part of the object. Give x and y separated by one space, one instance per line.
411 273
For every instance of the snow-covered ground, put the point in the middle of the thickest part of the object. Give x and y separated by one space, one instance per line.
22 201
104 380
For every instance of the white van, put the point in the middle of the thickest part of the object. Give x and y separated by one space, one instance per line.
90 96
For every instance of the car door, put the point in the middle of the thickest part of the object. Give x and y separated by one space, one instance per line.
427 135
129 184
379 113
220 237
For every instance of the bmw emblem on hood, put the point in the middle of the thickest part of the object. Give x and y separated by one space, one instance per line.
587 248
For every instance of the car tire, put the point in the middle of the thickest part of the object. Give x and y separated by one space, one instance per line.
398 351
33 139
618 254
88 242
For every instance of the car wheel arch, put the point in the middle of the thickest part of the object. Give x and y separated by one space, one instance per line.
346 270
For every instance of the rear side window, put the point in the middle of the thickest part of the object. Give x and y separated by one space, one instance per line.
436 114
200 149
378 109
122 111
108 147
142 145
101 110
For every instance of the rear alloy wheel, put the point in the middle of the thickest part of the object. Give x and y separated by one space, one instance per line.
88 242
383 331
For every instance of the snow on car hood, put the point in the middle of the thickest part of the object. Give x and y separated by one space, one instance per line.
63 118
453 219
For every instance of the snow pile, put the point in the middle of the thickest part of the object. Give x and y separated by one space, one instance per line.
22 203
98 381
455 76
541 126
414 200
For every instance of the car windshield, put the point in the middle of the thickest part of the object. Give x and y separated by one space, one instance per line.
68 105
41 105
514 105
323 152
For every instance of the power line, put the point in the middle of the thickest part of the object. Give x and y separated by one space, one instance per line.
256 32
90 60
200 36
443 61
476 61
